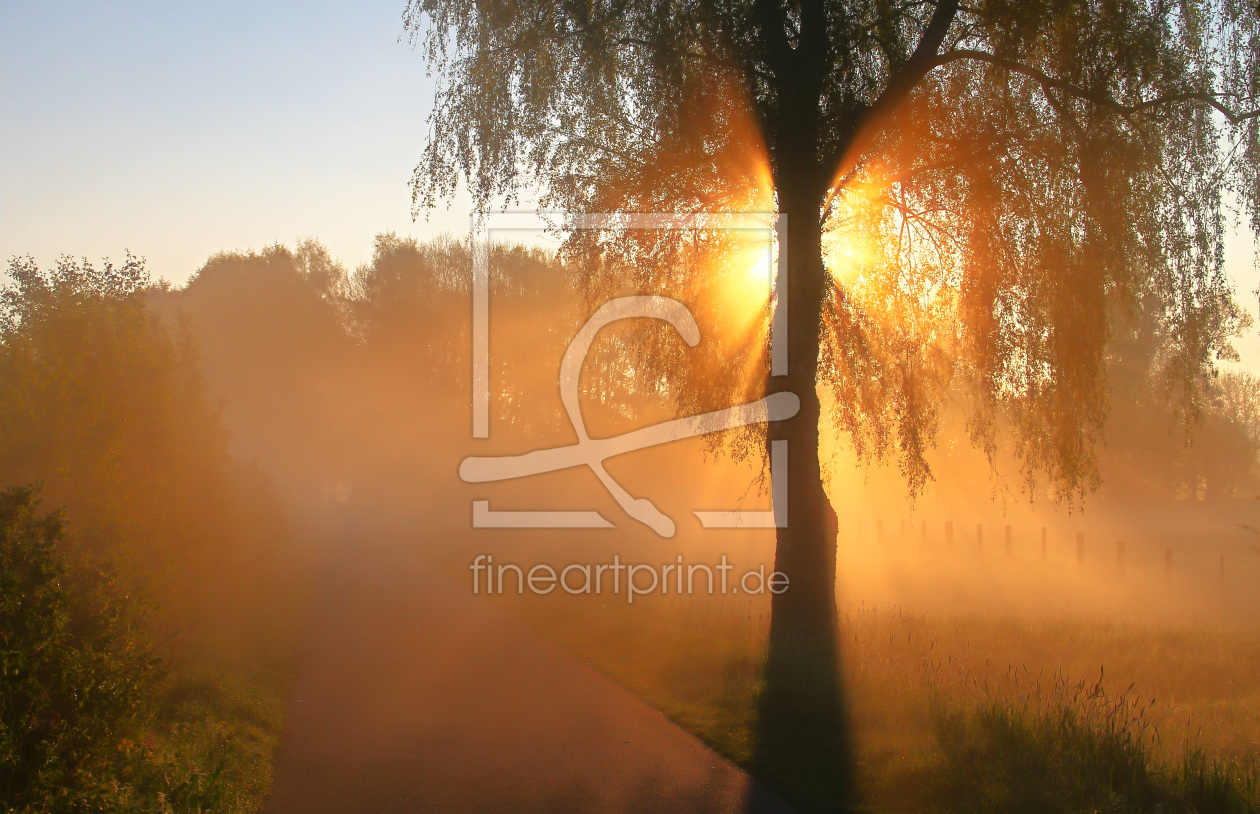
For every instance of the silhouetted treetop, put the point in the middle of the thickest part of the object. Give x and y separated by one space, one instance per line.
984 183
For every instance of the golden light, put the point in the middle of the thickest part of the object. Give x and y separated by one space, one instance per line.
850 241
761 272
747 282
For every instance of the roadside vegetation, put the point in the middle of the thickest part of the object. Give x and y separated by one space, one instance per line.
149 589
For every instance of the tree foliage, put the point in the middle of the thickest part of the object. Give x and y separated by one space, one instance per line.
996 181
1162 445
102 402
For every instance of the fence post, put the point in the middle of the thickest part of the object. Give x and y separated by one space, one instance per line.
1009 548
1080 548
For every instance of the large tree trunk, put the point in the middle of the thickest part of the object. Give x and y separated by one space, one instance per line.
803 746
806 547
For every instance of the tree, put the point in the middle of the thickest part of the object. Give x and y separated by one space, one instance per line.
102 401
1162 446
970 191
104 405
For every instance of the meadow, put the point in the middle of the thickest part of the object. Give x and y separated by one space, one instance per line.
962 698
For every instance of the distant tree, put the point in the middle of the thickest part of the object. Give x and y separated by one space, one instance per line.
1169 441
102 401
1225 452
413 296
327 275
272 330
1014 170
409 290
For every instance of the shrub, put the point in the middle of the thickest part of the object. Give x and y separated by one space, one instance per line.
73 674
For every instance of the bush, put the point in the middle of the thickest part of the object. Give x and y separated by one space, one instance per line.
73 675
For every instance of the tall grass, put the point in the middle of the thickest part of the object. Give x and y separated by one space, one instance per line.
1070 747
963 714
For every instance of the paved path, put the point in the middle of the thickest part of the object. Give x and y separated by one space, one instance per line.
413 695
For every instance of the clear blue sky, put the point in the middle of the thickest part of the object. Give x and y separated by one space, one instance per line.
177 129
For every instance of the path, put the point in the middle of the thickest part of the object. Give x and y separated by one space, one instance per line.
413 696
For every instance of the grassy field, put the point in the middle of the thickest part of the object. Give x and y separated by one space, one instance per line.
962 713
1087 706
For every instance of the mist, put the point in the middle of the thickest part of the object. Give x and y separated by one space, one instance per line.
292 433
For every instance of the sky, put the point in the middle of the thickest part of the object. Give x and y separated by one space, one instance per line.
176 130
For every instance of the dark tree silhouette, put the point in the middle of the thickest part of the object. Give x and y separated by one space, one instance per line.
1019 170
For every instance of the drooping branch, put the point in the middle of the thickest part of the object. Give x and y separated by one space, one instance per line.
1047 81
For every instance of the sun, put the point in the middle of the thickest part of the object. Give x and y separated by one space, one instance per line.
750 283
741 287
761 271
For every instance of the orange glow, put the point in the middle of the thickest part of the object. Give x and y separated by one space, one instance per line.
850 246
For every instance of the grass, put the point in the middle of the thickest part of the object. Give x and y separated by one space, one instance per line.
206 744
218 727
1071 748
980 713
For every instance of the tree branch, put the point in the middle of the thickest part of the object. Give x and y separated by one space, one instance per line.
920 62
1050 82
771 31
903 80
